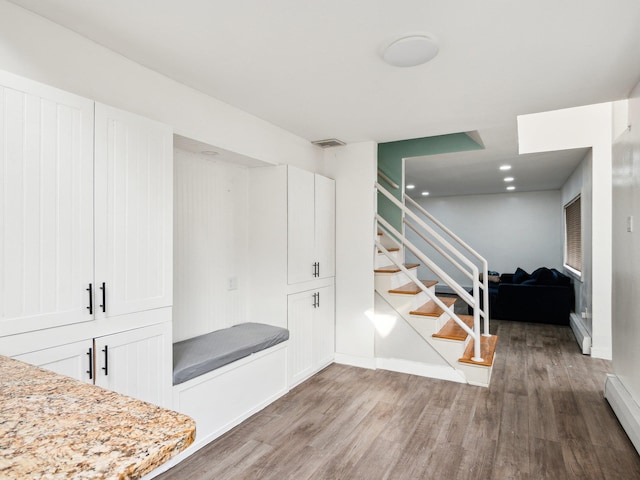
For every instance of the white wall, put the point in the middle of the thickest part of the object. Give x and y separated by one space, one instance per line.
210 244
579 127
509 229
580 183
626 253
36 48
354 169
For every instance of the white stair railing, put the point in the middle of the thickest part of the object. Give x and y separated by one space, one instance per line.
450 253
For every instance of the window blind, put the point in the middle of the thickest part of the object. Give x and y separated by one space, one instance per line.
573 235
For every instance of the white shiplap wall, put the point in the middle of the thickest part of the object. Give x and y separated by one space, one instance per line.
210 244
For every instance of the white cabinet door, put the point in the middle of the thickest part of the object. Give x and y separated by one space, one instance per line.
300 322
74 360
324 328
325 225
46 206
136 363
300 225
311 332
134 205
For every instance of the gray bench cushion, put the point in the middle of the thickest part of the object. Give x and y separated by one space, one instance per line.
199 355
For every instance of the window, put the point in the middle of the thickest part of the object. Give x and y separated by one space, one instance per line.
573 235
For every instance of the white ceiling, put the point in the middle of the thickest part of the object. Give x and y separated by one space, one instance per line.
314 68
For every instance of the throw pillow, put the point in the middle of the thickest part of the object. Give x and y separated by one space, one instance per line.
544 276
520 276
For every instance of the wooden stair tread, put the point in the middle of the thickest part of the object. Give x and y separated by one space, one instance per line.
392 249
413 289
430 309
452 331
487 351
394 269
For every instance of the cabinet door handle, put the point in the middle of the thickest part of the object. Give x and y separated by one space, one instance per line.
90 371
318 300
318 272
104 297
106 360
90 307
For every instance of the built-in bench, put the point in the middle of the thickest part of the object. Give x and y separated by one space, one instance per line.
224 377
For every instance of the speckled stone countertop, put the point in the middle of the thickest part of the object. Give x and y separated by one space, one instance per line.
53 427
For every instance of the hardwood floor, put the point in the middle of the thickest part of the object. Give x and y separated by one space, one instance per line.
544 417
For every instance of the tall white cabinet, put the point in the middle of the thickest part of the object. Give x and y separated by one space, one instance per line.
293 262
85 239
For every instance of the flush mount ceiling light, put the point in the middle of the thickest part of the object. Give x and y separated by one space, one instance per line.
425 194
508 179
410 50
410 186
505 167
511 187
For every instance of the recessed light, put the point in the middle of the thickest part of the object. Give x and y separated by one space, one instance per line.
511 187
425 194
508 179
410 50
410 187
504 168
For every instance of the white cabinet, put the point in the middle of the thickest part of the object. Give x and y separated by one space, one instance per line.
74 360
311 332
56 184
134 205
310 226
134 362
46 206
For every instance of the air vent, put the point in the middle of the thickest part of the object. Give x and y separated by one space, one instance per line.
329 142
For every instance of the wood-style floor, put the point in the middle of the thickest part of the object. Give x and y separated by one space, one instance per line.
544 417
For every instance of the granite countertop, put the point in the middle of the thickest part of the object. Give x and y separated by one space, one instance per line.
52 427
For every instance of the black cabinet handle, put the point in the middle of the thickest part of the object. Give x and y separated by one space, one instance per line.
90 307
318 300
106 360
314 300
90 371
318 273
104 297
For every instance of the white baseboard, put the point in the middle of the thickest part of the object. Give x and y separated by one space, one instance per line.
440 372
580 332
625 407
352 360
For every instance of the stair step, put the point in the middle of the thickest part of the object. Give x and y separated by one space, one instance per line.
430 309
487 351
391 249
413 289
452 331
394 269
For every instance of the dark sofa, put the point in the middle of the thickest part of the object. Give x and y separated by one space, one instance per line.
544 296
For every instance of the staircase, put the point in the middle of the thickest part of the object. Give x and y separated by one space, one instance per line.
453 336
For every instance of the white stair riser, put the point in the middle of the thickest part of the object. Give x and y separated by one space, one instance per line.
389 281
476 374
382 260
451 350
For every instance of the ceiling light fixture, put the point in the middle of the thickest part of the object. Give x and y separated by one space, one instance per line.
410 50
410 187
511 187
508 179
504 168
425 194
211 153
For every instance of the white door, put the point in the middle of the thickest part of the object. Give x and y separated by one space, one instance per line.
300 323
46 206
325 225
74 360
134 205
136 363
300 225
324 327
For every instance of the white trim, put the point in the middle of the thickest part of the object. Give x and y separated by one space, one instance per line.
352 360
583 337
625 408
440 372
599 352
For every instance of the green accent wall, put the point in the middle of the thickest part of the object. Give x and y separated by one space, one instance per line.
391 154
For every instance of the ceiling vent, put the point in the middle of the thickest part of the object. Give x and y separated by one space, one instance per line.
329 142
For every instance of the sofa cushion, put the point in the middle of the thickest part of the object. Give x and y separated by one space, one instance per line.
560 278
520 276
